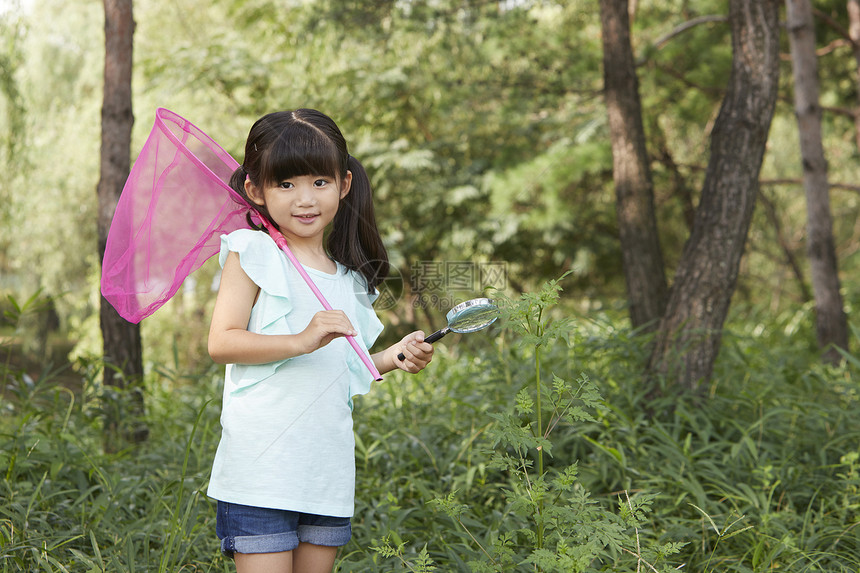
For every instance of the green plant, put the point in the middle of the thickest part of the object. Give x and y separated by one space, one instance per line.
550 522
17 314
422 564
776 442
66 505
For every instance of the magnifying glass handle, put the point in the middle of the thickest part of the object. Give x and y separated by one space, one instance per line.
431 339
437 335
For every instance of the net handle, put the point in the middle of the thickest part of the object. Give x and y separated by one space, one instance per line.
282 243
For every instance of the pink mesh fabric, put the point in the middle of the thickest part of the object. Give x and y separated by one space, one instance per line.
175 205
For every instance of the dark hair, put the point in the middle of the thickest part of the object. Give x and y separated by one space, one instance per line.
288 144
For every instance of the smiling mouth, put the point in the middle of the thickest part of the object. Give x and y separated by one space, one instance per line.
307 219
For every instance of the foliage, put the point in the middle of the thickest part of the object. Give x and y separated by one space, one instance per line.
69 507
483 130
481 124
550 522
763 476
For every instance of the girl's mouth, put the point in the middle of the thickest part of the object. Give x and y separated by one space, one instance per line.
308 218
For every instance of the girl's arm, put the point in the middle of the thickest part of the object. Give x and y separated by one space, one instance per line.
417 354
229 339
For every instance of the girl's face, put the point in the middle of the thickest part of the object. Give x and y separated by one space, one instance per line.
302 206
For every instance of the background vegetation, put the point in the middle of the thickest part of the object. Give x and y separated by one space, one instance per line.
484 131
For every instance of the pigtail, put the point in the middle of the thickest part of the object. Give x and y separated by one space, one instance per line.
354 240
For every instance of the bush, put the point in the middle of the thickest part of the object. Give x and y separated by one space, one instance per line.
530 447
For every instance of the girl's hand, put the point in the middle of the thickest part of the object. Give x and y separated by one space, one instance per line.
417 353
324 327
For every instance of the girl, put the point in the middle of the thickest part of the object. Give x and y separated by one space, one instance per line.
284 472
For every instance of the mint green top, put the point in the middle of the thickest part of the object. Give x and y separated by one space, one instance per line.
287 440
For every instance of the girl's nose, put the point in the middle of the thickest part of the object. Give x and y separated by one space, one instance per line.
306 195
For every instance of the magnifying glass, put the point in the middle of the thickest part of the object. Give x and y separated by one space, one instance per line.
469 316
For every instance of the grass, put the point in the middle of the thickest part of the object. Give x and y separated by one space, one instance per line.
761 475
67 506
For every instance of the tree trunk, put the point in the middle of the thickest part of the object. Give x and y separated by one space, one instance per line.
854 33
831 322
688 339
122 344
642 258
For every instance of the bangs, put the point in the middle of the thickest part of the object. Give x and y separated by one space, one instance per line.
300 150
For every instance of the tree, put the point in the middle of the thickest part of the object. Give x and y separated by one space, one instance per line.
123 353
831 322
647 290
854 36
689 335
13 141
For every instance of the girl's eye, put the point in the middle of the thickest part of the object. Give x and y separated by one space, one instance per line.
320 183
285 185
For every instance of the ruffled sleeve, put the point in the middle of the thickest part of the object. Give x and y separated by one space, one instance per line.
260 258
284 300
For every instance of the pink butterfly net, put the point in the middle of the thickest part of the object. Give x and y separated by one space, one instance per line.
154 241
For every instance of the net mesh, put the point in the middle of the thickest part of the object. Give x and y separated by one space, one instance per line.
175 205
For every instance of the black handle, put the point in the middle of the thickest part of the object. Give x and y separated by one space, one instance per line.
431 339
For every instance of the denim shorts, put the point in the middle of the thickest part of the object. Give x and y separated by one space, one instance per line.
246 529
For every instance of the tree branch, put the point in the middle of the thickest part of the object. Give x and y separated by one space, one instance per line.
663 40
790 181
836 26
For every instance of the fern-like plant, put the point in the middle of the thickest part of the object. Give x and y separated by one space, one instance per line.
551 522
